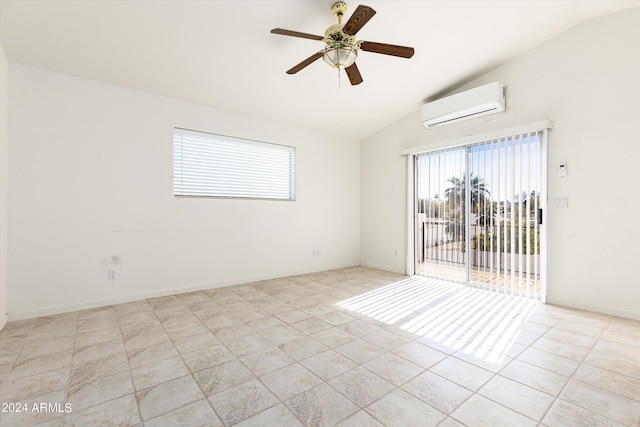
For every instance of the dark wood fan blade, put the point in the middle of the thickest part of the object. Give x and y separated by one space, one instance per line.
360 17
306 62
354 74
387 49
295 34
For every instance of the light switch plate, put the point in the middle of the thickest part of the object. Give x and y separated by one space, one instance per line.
561 202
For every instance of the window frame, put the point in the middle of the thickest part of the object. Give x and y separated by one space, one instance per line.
242 145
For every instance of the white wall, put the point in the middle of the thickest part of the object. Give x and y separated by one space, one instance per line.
90 178
4 141
587 81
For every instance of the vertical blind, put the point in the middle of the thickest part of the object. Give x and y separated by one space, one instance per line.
477 213
441 225
209 165
505 236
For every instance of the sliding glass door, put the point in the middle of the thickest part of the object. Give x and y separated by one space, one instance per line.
478 214
440 214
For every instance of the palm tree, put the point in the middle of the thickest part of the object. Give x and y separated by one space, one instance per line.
455 196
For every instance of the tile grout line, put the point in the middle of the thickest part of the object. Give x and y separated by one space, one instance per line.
133 385
580 362
328 290
191 373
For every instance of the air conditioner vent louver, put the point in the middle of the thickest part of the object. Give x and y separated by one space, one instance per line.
476 102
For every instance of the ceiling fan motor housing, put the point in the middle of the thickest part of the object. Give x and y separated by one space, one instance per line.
333 32
341 49
339 9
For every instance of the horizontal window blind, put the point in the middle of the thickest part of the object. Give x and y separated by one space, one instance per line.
209 165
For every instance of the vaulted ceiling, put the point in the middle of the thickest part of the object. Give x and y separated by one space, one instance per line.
221 53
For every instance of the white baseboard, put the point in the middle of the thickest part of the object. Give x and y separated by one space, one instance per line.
3 321
612 311
49 311
384 267
12 317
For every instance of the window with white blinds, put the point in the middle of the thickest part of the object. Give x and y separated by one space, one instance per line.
209 165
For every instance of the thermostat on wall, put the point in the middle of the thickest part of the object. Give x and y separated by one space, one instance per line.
563 169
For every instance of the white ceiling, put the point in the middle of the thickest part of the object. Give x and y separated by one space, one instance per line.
221 54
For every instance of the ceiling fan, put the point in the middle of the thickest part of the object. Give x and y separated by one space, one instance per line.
341 47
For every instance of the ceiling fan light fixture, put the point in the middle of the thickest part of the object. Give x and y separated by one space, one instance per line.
341 46
340 55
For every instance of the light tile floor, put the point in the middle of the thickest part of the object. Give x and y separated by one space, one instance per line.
348 347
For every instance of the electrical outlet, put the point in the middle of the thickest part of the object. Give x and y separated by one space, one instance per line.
112 275
319 252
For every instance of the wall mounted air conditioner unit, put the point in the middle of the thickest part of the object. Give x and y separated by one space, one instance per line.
476 102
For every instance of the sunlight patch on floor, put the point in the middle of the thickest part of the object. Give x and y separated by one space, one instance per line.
480 323
394 302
